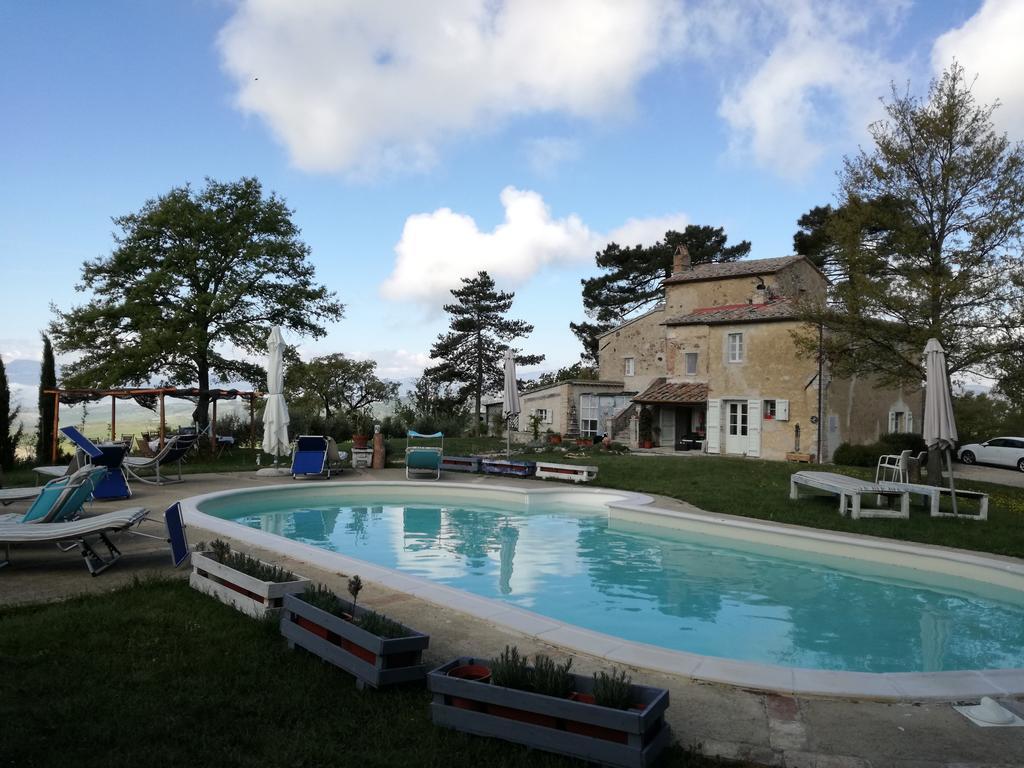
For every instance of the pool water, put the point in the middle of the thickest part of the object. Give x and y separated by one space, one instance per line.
675 589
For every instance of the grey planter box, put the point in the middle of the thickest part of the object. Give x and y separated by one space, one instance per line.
460 463
627 738
373 660
251 596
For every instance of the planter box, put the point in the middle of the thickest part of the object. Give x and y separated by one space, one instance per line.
504 467
627 738
575 472
460 463
362 458
251 596
373 660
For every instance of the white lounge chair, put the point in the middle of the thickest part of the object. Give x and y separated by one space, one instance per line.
173 452
850 490
83 534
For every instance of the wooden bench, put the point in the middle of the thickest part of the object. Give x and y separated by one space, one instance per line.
850 490
577 473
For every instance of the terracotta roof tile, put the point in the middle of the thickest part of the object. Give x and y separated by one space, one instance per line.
723 270
662 392
778 309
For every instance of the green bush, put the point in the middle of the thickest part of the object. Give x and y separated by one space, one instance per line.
897 442
855 455
867 455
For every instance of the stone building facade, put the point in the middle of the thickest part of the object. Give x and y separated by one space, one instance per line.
717 364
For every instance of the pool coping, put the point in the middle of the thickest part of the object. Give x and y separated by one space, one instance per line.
891 686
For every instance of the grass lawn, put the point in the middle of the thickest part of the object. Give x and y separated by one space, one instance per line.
157 674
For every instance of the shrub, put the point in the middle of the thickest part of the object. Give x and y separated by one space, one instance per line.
221 552
855 455
510 670
867 455
897 442
613 690
552 679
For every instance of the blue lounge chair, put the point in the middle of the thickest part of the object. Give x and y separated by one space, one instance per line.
309 459
172 453
61 499
114 485
423 459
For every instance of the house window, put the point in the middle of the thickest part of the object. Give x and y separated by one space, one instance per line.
691 363
735 347
769 409
588 415
542 415
630 366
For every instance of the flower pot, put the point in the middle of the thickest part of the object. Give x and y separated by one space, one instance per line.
584 442
360 441
373 660
249 595
474 672
647 444
555 439
626 738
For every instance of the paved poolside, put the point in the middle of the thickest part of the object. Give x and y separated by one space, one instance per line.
720 720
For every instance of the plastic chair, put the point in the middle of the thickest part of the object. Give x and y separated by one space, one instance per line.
893 468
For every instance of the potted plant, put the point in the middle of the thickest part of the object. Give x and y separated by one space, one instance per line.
646 428
376 650
252 586
554 438
605 718
362 428
535 422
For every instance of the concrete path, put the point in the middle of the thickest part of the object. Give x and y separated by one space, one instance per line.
714 719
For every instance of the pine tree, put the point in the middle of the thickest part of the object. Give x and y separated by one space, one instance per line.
47 380
633 275
8 418
472 351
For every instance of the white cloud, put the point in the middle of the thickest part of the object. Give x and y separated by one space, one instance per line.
989 44
817 86
365 86
437 249
547 153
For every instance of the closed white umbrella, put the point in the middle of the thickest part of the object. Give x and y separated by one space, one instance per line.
939 424
510 398
275 415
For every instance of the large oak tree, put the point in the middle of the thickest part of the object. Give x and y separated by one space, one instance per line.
196 277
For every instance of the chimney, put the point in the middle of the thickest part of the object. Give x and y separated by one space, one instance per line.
681 260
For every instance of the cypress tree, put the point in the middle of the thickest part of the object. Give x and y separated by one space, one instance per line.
8 418
47 380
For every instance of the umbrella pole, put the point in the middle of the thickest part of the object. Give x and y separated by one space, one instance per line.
952 485
508 439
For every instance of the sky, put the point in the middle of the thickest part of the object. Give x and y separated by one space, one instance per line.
418 143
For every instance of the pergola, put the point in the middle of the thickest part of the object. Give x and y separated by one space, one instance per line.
149 398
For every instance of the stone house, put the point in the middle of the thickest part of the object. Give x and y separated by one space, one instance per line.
576 408
717 365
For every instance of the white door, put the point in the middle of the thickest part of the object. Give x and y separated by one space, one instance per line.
668 426
736 427
713 426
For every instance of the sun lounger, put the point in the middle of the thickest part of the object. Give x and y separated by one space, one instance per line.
423 459
60 499
310 457
11 495
83 534
850 490
933 496
173 452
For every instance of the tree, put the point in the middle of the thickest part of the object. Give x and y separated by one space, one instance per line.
47 380
8 418
335 381
984 416
193 274
927 239
633 275
576 371
472 351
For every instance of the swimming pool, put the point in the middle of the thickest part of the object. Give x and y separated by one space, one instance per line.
605 563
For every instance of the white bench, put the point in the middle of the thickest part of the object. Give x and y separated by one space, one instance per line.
850 490
934 495
574 472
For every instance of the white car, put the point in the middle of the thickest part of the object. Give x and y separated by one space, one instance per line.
1004 451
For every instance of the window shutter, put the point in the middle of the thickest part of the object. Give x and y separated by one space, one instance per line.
753 427
782 410
892 421
713 426
910 421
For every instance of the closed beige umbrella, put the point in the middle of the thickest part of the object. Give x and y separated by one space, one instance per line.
939 424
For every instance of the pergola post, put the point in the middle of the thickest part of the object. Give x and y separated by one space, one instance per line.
213 427
252 419
113 419
161 421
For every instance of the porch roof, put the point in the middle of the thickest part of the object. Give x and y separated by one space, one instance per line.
662 393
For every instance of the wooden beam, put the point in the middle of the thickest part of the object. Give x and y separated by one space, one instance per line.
162 427
113 419
213 427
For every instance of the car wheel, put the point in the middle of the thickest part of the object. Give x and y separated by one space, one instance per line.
967 457
1020 464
